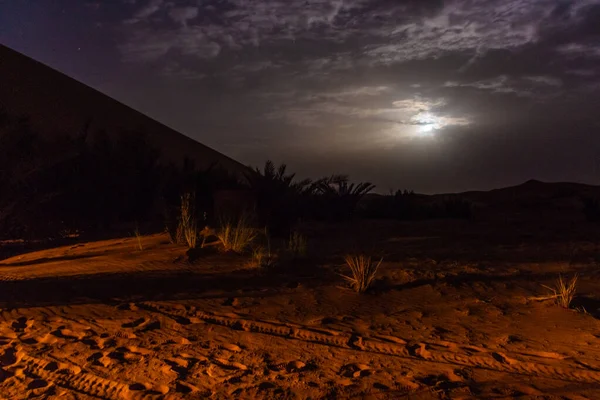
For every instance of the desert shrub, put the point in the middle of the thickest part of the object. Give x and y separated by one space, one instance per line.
264 257
564 291
363 271
236 235
189 179
591 209
297 245
187 220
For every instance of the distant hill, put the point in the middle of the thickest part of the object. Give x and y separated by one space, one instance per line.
56 103
530 200
534 192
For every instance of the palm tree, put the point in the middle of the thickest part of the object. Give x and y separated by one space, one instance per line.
277 196
338 185
341 196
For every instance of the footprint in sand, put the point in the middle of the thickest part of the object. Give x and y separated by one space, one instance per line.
125 335
222 370
9 357
62 367
138 387
134 324
503 358
419 350
100 358
37 384
128 307
65 333
231 302
179 365
355 370
295 366
129 354
47 338
96 342
443 382
406 383
21 324
232 347
186 388
151 326
232 365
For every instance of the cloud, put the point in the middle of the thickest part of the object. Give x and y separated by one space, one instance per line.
581 72
537 86
545 80
150 45
379 33
143 13
349 94
418 105
579 49
182 15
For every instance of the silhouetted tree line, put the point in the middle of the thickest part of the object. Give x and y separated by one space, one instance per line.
281 201
91 182
407 205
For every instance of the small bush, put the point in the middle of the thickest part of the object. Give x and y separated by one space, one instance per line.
564 292
188 227
363 272
236 236
264 257
297 245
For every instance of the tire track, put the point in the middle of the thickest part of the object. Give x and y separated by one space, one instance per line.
82 382
493 361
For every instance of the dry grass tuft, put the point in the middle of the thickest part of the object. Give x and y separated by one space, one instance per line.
297 245
363 271
236 236
188 227
263 257
563 293
138 236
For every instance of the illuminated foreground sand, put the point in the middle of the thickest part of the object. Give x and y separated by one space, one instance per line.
105 320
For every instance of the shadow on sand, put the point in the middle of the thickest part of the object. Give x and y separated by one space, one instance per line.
155 285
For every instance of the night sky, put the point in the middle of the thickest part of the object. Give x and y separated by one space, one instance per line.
434 96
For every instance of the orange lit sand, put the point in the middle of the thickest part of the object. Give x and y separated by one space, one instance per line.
448 318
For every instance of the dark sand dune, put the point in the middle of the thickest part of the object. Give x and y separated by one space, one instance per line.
56 103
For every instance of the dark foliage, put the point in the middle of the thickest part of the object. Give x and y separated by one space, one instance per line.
591 209
201 183
90 182
336 199
406 205
278 197
281 201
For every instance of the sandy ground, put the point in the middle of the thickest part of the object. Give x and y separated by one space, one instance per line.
449 317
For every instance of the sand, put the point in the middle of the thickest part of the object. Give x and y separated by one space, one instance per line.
450 316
